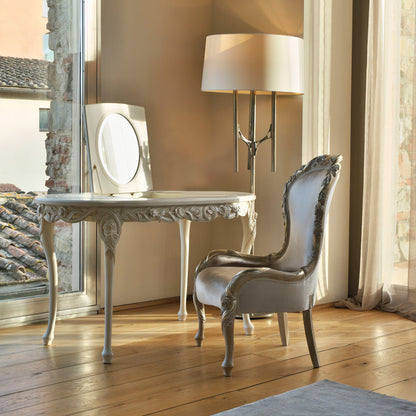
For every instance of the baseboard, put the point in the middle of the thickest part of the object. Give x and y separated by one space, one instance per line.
166 301
146 304
324 305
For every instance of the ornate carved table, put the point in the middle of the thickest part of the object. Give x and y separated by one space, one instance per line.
110 212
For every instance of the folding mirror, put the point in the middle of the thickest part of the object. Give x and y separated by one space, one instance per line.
118 148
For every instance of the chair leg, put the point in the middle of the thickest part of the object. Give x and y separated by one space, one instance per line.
200 311
310 337
228 312
283 327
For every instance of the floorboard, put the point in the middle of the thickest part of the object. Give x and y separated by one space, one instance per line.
158 370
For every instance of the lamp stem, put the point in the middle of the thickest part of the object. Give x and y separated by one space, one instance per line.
235 129
253 144
253 174
273 131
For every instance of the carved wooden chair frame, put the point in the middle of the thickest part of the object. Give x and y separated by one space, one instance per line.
230 297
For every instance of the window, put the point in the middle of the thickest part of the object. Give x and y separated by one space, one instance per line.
406 145
41 95
43 119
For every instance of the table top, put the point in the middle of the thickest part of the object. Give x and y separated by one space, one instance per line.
145 199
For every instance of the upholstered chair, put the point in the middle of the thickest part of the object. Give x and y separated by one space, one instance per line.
281 282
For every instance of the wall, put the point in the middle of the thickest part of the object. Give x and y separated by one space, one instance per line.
23 149
152 55
279 17
24 146
22 39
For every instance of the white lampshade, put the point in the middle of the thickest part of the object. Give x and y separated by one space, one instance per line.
253 62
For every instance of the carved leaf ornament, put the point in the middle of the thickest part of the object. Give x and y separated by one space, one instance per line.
197 213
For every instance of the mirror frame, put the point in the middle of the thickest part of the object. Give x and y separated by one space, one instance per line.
102 182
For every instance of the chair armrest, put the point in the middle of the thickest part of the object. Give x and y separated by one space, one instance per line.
231 258
246 276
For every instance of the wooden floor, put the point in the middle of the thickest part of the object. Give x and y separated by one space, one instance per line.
157 369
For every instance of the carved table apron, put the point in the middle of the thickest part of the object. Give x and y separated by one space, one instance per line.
110 212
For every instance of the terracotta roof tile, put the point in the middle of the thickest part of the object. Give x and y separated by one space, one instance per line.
9 187
17 272
23 73
22 239
22 257
17 220
23 210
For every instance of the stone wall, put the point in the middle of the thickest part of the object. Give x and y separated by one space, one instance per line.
59 139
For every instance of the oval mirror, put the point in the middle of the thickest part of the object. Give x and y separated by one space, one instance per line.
118 148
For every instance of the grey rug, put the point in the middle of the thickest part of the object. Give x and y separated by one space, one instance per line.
326 398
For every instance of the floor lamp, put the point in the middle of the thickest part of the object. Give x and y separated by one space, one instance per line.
253 64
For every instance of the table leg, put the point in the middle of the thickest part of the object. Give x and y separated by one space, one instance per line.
109 272
46 237
249 235
110 230
184 229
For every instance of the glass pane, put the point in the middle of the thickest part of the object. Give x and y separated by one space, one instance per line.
40 101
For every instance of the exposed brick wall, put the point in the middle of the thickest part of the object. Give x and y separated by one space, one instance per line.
59 139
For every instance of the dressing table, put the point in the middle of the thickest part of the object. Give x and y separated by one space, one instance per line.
122 192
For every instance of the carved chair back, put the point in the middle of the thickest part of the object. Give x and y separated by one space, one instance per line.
306 199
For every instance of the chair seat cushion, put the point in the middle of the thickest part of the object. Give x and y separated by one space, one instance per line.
210 283
270 290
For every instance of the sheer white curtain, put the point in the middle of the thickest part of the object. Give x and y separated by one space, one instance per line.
326 125
317 98
382 138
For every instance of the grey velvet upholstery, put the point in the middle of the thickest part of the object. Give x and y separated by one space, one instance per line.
281 282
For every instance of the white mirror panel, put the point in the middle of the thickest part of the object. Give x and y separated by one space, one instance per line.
118 148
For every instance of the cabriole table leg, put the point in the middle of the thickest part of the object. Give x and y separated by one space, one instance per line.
46 237
110 230
184 229
109 273
249 235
